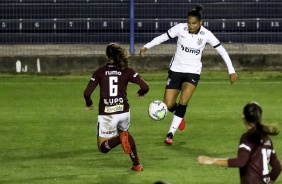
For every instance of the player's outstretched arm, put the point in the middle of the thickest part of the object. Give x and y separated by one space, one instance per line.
213 161
143 51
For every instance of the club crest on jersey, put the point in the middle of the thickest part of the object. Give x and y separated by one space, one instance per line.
185 28
200 41
202 32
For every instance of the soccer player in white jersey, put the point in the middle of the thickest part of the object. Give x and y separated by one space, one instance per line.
185 66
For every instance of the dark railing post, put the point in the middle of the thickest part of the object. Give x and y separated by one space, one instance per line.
132 49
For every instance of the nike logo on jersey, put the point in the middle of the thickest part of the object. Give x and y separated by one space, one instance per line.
190 50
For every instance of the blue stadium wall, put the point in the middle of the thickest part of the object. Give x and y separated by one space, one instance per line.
33 22
103 21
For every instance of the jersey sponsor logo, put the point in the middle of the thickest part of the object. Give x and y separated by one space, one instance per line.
107 132
112 101
113 73
111 109
190 50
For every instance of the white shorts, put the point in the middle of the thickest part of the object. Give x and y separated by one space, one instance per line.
108 125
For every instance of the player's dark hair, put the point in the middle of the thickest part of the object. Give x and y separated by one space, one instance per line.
196 12
253 115
118 54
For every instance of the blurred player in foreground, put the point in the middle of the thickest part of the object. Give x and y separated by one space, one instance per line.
114 111
256 151
185 66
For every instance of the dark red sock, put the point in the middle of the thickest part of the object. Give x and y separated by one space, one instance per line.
107 145
133 153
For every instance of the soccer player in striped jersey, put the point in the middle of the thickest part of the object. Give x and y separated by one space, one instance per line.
256 151
185 66
113 113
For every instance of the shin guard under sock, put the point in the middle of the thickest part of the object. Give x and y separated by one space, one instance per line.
133 153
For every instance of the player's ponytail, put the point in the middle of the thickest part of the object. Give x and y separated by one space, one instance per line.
253 115
199 8
196 12
118 54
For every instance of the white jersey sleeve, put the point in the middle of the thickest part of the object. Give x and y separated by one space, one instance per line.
214 42
220 49
156 41
171 33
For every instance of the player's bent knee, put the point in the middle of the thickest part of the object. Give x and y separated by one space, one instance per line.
103 148
173 108
103 151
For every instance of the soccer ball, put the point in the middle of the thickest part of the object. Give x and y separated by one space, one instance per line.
157 110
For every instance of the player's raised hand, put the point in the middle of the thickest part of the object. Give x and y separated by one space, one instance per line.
143 51
89 107
233 78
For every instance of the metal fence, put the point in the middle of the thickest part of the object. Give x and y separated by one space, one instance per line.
132 22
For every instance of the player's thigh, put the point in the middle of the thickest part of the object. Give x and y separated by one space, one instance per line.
189 83
106 127
186 93
173 87
123 121
109 126
170 97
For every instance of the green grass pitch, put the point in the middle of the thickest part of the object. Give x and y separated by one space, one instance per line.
46 135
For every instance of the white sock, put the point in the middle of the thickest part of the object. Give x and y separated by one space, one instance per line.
174 124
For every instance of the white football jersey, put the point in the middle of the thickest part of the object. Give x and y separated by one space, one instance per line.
187 58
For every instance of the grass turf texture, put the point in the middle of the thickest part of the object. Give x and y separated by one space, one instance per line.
48 137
